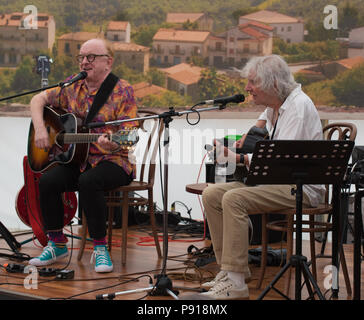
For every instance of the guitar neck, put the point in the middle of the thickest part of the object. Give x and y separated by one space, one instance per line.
123 138
69 138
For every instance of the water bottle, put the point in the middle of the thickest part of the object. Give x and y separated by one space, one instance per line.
220 173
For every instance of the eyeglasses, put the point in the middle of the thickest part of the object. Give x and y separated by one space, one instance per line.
89 57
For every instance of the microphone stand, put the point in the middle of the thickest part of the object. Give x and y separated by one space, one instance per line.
163 286
60 84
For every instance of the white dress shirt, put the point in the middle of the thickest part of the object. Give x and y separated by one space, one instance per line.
298 119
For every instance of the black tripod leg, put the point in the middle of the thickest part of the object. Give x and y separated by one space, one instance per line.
274 281
308 284
9 238
311 281
336 205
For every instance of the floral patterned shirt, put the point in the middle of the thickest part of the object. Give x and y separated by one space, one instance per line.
77 99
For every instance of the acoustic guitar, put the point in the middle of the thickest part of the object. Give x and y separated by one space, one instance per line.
69 141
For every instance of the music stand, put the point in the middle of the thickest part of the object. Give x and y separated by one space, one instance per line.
299 162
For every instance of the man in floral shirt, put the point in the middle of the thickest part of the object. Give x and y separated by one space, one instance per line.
107 165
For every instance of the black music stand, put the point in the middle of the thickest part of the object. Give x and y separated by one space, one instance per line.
299 162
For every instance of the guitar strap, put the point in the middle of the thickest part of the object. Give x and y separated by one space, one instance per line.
101 96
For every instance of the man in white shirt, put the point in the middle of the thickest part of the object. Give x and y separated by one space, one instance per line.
290 115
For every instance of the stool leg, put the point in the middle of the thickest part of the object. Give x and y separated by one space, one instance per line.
109 227
125 213
83 237
312 247
263 261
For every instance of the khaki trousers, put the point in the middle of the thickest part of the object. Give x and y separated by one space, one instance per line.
227 206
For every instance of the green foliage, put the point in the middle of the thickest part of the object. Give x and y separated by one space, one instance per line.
25 77
61 68
188 25
69 13
306 51
317 32
20 80
167 99
121 16
213 85
123 72
266 4
303 79
242 12
321 93
6 76
156 77
348 87
144 34
349 18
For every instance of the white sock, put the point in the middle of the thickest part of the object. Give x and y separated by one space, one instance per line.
238 278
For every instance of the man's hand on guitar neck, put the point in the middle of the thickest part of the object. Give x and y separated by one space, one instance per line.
106 144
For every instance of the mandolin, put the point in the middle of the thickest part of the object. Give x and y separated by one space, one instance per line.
69 141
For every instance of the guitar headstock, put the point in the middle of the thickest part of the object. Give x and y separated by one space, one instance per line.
126 138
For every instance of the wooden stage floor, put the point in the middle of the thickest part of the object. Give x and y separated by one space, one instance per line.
142 265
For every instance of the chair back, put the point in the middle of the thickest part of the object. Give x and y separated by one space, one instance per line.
342 131
338 131
148 165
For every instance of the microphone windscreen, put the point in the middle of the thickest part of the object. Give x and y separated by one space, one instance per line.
208 147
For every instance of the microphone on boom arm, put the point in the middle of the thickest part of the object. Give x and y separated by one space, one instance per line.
82 75
237 98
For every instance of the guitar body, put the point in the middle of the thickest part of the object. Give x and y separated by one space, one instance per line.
27 204
40 159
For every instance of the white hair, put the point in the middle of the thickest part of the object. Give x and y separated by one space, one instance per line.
271 74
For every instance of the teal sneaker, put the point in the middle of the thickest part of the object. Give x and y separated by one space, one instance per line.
51 253
102 258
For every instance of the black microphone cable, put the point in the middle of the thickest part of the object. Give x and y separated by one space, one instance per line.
194 111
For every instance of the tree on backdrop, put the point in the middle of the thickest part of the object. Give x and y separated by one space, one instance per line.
348 87
213 85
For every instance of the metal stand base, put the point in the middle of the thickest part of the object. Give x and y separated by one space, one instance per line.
301 265
163 287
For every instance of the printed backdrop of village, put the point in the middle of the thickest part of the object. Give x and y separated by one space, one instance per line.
176 53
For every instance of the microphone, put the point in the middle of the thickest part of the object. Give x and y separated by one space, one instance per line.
82 75
209 147
211 151
237 98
